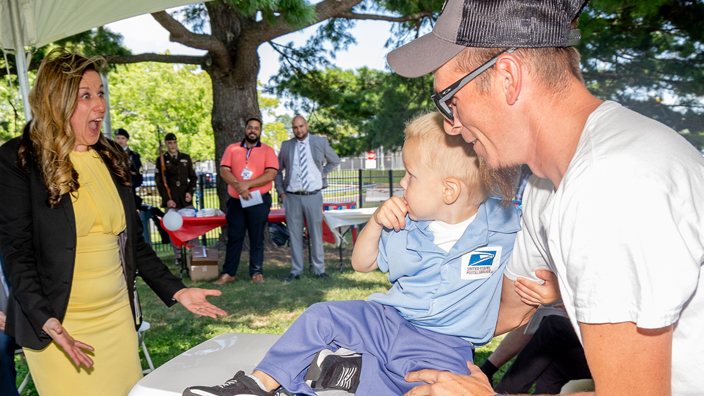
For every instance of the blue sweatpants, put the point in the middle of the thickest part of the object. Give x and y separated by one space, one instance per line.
391 347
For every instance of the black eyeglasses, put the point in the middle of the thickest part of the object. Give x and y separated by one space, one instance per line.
441 98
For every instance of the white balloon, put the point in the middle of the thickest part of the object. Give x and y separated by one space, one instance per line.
172 220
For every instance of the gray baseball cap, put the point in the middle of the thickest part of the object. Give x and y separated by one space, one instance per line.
488 24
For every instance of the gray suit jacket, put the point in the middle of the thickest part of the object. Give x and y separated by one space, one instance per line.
324 157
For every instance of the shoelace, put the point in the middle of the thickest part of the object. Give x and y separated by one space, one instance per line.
231 381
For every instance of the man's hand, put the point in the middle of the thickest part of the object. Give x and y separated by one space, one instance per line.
194 301
392 213
242 188
170 203
73 348
188 197
444 383
535 294
2 321
282 196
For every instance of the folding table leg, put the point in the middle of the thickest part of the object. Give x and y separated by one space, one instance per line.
184 266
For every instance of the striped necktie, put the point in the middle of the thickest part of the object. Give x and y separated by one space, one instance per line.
303 162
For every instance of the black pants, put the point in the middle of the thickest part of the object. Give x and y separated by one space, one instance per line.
240 220
553 357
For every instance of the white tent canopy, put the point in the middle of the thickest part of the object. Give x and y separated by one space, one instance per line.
45 21
35 23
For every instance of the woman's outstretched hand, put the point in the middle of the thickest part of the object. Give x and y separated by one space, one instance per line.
74 348
194 301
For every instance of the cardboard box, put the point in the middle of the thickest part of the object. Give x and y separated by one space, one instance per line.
203 272
204 252
202 263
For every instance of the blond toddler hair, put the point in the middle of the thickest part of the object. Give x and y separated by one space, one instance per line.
447 155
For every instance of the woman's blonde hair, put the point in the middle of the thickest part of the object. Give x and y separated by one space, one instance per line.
48 138
447 155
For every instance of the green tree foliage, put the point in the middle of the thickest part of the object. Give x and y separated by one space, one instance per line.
360 110
149 99
649 56
177 99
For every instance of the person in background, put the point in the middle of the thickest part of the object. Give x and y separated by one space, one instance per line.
304 163
248 168
8 375
176 181
179 175
72 241
122 137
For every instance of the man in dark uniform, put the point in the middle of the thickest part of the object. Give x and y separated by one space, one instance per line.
121 138
180 176
181 181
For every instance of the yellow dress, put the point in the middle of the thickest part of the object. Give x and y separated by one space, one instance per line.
98 312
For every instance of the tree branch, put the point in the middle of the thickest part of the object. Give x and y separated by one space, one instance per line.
376 17
151 57
179 34
262 31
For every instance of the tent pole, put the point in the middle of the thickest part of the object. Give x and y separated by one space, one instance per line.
19 57
107 122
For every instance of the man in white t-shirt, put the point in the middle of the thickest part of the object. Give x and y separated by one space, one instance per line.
616 208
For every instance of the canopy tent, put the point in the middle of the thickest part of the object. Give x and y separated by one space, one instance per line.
35 23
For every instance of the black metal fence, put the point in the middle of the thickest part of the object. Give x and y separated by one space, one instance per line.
364 188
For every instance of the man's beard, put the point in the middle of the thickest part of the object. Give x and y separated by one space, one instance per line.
255 141
501 181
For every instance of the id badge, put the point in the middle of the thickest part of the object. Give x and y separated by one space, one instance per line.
481 263
246 174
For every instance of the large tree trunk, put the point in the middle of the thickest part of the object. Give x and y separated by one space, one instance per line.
234 82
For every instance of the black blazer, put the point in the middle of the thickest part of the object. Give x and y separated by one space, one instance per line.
38 245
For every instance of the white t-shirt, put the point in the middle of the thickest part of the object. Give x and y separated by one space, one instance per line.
624 233
445 235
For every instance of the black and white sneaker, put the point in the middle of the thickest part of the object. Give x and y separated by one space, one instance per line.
240 384
335 371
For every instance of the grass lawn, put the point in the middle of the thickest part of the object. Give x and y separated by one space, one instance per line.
268 308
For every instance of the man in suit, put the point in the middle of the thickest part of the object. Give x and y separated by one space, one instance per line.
304 163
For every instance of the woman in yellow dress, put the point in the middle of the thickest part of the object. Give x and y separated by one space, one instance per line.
72 240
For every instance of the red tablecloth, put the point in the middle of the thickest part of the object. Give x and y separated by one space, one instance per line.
193 227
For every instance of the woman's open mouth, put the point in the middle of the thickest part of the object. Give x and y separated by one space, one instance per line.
94 125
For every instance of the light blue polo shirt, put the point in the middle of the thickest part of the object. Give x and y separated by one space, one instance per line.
456 293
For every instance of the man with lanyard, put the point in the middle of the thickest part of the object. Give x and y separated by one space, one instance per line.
248 168
176 183
629 270
306 161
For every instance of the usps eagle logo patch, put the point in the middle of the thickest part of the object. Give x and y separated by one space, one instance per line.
481 263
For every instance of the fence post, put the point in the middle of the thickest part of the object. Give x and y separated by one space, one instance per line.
360 188
391 183
201 203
